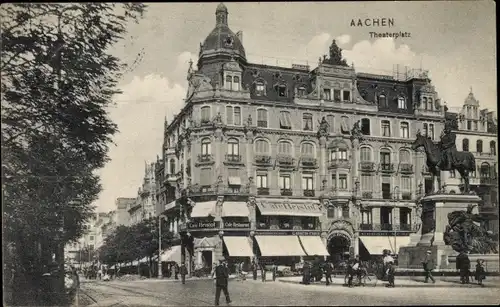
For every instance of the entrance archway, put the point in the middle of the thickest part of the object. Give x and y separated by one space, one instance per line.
338 247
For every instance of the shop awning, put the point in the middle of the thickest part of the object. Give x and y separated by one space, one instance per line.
300 209
238 246
234 209
313 246
204 209
173 254
280 246
234 180
376 244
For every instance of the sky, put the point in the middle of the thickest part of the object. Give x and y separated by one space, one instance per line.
454 40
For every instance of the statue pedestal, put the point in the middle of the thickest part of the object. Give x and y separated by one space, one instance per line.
435 210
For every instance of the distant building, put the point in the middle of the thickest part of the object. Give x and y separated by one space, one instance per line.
122 210
144 206
477 132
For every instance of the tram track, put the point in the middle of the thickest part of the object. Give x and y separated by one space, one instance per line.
169 299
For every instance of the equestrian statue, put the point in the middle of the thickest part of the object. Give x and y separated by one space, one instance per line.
444 156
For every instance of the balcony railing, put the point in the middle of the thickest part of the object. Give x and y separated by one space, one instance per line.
205 158
309 193
285 160
309 161
486 180
406 195
406 168
286 192
367 195
233 158
263 159
367 166
205 122
386 195
386 226
337 163
365 227
263 191
262 123
387 167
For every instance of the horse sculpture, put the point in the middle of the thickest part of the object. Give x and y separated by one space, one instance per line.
461 161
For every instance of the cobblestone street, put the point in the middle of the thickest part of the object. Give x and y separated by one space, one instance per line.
244 293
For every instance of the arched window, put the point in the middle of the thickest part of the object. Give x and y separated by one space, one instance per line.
262 147
429 104
262 118
465 145
172 166
206 148
365 154
233 147
301 91
331 123
485 171
386 128
228 83
260 88
365 126
307 149
307 122
424 102
236 83
382 101
205 114
229 115
404 156
493 148
404 130
385 157
285 148
401 103
479 146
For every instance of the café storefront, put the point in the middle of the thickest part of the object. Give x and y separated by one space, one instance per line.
287 232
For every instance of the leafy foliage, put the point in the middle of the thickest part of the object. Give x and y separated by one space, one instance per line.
335 56
58 79
128 243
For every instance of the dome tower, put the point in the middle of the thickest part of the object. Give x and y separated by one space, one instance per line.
221 43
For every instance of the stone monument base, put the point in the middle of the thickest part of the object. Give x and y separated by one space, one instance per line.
435 210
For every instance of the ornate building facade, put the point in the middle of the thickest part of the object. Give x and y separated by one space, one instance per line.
281 163
477 132
145 202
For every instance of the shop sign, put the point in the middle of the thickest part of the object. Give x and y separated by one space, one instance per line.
287 233
203 225
236 225
383 233
287 208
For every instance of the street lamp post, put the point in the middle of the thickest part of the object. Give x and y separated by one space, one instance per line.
162 216
396 198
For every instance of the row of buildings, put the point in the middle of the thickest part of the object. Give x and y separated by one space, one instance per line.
284 163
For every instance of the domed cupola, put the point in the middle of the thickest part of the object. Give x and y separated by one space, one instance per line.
222 41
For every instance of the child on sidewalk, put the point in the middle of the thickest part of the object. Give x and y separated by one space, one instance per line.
480 272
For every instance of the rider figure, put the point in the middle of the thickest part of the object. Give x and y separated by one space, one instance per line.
448 148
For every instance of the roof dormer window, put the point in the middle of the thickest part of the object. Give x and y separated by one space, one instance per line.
281 89
260 88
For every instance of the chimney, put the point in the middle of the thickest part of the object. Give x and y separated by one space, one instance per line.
239 34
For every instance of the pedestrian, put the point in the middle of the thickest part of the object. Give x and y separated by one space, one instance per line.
463 265
254 270
306 273
244 270
328 268
350 272
275 271
428 266
263 272
183 271
480 272
176 270
391 270
221 280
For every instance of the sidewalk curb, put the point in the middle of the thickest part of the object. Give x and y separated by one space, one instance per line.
415 284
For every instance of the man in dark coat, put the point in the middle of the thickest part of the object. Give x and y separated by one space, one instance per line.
306 274
463 265
428 266
221 278
275 271
263 272
328 272
254 270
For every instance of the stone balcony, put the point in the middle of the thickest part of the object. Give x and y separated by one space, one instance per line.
406 168
386 167
337 163
367 166
309 162
262 160
285 161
